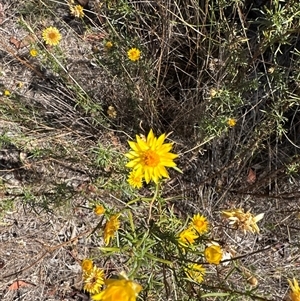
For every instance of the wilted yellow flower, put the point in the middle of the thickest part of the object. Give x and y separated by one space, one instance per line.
33 52
295 293
244 221
134 54
111 112
187 237
94 280
199 223
99 209
111 227
119 290
87 266
6 92
109 44
77 11
213 254
195 272
135 179
150 157
51 36
213 92
231 122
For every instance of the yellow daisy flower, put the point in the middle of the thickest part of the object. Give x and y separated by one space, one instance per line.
134 54
213 254
109 45
6 92
119 290
111 227
150 157
295 290
187 237
135 179
94 280
199 223
87 266
195 272
77 11
51 36
33 52
99 209
231 122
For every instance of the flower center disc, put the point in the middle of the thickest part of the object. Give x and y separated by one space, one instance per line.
52 35
151 158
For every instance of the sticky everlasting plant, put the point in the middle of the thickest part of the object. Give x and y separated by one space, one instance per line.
134 54
149 158
111 227
119 290
51 36
245 221
295 290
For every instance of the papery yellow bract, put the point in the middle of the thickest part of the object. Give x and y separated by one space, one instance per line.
195 272
99 209
134 54
111 227
93 280
87 265
199 223
245 221
213 254
119 290
187 237
51 36
149 157
295 290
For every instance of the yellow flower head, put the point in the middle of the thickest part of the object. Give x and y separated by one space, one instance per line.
119 290
295 290
93 280
199 223
109 45
6 92
231 122
111 227
187 237
99 209
150 157
77 11
134 54
111 112
33 52
244 221
213 254
51 36
195 272
135 179
87 266
213 92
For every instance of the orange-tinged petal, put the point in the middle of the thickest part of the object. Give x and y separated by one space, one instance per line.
151 156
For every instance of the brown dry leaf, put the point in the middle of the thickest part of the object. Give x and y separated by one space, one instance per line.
22 43
251 178
17 284
94 37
